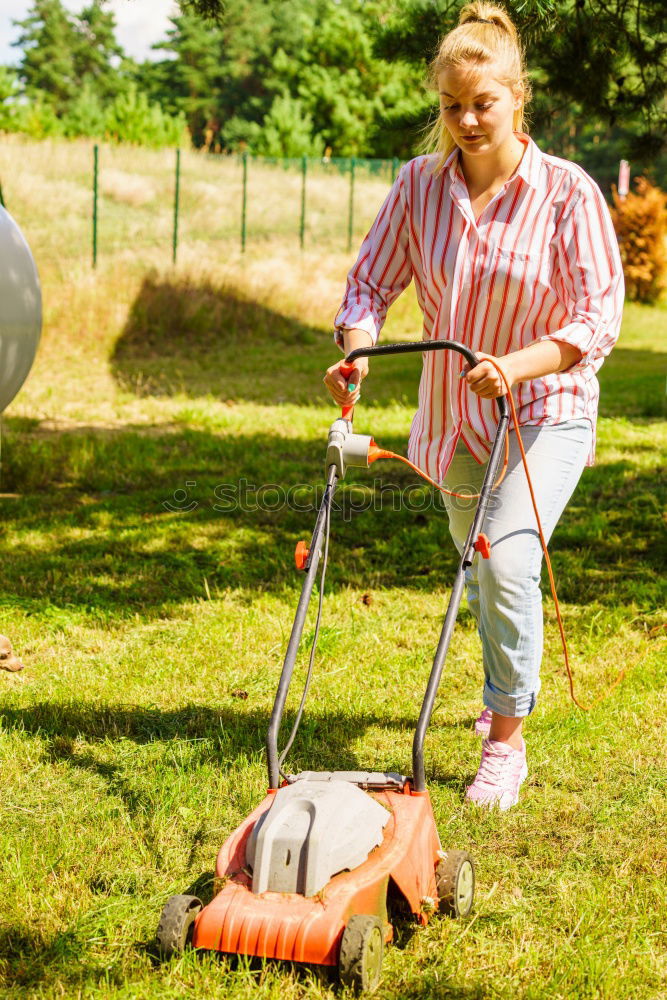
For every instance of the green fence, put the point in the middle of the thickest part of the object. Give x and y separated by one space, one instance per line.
76 200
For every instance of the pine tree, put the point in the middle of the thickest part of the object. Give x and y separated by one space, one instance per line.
49 40
241 79
600 65
97 54
593 62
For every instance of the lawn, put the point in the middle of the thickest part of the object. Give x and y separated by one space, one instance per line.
153 615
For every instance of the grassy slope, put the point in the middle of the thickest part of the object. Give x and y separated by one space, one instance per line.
128 749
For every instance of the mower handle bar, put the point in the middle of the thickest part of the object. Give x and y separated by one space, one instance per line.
422 346
419 775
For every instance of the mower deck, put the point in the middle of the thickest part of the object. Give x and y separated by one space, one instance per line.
297 928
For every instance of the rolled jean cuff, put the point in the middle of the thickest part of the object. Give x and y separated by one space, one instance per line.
514 706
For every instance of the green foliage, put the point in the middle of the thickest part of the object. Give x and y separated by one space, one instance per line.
287 131
9 88
348 75
60 53
619 52
35 118
301 60
76 83
97 52
49 41
598 70
131 117
85 114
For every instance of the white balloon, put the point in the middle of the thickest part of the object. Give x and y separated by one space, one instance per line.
20 309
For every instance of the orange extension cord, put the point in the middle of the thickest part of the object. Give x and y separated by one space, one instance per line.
375 452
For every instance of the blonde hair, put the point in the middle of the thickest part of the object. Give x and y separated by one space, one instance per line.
485 34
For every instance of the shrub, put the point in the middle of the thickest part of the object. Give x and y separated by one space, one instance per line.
640 221
288 131
131 117
85 115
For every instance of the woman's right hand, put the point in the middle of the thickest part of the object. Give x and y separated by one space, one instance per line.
339 384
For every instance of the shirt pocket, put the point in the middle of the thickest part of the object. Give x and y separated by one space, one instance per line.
514 276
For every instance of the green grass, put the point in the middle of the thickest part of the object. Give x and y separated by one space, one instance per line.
128 748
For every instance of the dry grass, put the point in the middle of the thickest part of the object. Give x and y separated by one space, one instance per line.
125 755
51 198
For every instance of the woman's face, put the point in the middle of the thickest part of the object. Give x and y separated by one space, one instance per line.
477 109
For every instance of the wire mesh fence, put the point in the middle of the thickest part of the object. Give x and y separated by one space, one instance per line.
79 199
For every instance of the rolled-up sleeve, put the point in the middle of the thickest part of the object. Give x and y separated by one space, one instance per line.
382 269
592 277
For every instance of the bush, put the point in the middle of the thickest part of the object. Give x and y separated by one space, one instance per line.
640 221
85 115
131 117
288 131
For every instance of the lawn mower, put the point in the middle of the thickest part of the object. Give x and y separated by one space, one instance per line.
316 872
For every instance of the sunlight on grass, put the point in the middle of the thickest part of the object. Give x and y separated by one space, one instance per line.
153 615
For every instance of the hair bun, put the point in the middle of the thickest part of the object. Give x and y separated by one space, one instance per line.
481 12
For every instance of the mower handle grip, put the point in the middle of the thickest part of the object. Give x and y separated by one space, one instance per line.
346 369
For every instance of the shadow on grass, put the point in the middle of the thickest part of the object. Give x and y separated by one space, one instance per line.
127 522
223 737
223 732
28 959
201 339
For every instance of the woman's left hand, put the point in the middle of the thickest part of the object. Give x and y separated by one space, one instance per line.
485 380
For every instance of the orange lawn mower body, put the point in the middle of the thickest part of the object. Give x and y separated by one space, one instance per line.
316 871
309 929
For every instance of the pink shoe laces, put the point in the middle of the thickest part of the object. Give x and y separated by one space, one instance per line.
500 775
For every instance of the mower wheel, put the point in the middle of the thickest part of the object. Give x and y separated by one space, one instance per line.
361 948
174 932
455 880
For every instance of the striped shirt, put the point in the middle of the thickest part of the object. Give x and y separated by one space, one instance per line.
540 263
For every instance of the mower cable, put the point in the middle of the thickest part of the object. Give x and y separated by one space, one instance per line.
309 673
552 581
375 452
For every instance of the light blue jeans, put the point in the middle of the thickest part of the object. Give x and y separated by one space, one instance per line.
504 591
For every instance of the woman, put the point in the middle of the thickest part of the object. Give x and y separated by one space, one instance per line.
513 253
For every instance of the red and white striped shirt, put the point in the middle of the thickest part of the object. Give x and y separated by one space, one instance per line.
541 262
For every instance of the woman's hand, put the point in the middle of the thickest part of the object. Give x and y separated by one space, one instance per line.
485 380
338 384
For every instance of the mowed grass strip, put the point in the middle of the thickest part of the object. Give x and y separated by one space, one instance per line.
148 583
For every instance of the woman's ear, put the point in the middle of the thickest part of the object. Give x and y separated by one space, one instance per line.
519 96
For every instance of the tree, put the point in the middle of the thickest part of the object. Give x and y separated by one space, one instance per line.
287 130
62 55
49 40
593 62
222 77
9 87
190 82
263 64
97 54
85 115
131 117
598 65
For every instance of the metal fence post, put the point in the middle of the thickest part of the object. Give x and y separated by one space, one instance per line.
177 188
302 224
350 220
95 170
244 198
